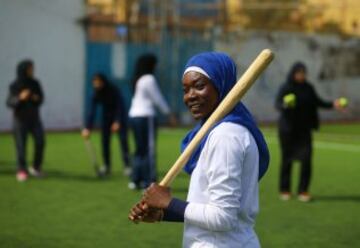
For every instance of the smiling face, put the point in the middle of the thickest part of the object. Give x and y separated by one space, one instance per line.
200 95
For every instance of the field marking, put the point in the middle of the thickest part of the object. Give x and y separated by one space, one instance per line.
322 135
326 145
271 138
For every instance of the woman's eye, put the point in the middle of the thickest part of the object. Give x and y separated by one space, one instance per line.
200 86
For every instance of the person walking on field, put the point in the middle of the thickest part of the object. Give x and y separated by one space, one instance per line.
142 115
298 104
25 98
114 120
223 197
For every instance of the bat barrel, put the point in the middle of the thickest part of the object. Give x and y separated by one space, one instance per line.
226 105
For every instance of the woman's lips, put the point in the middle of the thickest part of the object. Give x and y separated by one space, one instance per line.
195 107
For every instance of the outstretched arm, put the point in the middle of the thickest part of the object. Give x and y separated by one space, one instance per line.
322 103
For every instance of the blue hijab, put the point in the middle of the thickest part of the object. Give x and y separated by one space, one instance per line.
222 72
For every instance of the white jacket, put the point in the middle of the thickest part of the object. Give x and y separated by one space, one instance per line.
223 192
147 96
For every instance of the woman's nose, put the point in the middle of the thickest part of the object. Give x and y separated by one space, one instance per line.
191 94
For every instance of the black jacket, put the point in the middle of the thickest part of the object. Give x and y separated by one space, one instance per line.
28 110
304 116
113 108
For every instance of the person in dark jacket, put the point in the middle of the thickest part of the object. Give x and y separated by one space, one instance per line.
25 98
114 119
298 104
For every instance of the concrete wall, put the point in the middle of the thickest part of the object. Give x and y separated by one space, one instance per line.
47 32
333 68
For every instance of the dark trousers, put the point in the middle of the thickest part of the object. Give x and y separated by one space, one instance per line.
106 142
21 131
295 146
144 164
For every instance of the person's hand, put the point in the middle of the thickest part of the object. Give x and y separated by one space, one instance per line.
115 127
85 133
341 104
24 95
289 100
157 196
172 120
35 98
141 212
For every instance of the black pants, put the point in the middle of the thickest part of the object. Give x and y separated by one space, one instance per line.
295 146
21 131
144 164
106 141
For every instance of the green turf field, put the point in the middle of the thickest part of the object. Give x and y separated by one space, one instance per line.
71 208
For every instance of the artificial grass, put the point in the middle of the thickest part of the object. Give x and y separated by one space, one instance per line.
71 208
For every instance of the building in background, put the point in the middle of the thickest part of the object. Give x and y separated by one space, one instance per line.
316 32
70 40
48 33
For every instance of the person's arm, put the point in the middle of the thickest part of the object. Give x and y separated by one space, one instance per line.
159 197
13 99
156 96
92 112
38 96
120 107
175 211
322 103
225 156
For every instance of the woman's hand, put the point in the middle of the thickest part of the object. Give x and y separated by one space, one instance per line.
173 120
85 133
115 127
24 95
141 212
341 104
157 196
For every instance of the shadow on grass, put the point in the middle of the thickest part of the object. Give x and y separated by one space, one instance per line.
355 198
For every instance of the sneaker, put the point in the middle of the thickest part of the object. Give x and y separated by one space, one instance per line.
132 186
21 176
35 173
304 197
103 171
285 196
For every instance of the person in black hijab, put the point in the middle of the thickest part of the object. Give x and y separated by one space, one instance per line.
25 98
298 104
114 119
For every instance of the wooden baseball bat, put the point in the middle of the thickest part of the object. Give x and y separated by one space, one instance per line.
226 105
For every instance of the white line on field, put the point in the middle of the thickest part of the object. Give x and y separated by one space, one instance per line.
271 138
322 134
326 145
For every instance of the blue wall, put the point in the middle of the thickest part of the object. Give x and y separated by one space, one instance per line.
172 56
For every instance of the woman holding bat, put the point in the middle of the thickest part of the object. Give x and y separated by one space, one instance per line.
225 168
